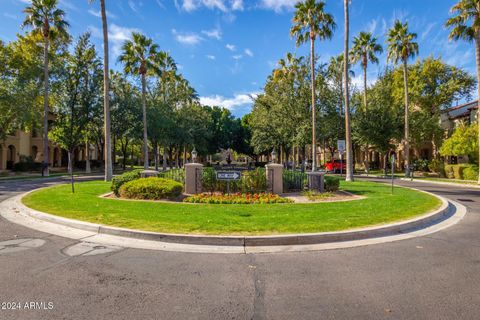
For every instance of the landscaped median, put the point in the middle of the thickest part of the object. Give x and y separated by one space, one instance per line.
378 207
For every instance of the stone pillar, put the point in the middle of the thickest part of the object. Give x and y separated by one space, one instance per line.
316 181
274 173
193 178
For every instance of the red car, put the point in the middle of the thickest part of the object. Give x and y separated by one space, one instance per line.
335 166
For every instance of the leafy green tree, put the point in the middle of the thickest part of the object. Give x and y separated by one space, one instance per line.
139 58
378 127
72 112
126 116
462 142
433 86
45 18
465 24
310 22
381 126
402 47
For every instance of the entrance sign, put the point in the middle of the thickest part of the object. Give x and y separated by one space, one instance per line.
229 175
341 146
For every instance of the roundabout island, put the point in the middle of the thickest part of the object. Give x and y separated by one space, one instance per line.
374 205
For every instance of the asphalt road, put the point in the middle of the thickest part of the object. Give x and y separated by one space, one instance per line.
431 277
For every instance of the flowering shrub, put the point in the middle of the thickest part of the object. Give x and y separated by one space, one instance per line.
236 198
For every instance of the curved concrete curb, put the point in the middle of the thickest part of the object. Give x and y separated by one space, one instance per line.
444 212
12 211
445 183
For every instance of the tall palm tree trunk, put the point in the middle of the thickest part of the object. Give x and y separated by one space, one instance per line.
365 101
314 113
145 136
106 101
477 52
45 170
348 138
407 126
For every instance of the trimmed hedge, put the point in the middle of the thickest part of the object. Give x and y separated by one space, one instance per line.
118 181
151 189
26 164
461 171
470 173
332 184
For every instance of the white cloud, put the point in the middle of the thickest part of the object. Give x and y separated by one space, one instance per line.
249 52
222 5
427 31
116 36
187 38
278 5
160 4
9 15
238 100
237 57
98 14
67 4
357 80
211 57
372 26
237 5
231 47
214 33
133 6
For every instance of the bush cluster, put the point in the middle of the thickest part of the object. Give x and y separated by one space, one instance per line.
437 166
461 171
151 189
26 163
118 181
332 184
237 198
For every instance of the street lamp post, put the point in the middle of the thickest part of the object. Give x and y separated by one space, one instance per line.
194 155
274 156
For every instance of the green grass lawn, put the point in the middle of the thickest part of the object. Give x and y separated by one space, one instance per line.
379 207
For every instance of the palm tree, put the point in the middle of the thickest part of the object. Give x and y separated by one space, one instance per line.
45 18
168 69
365 48
139 57
348 133
465 25
106 100
310 22
401 47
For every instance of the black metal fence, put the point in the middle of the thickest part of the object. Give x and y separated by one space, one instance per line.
173 174
294 180
251 181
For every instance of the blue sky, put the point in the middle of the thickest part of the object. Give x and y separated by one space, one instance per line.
227 48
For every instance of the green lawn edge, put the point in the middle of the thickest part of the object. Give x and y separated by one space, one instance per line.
379 207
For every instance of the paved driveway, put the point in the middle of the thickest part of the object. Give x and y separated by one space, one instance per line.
432 277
